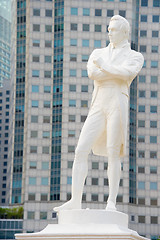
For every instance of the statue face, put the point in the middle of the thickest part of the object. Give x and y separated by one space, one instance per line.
116 35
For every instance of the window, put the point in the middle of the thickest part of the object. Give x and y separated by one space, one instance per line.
34 118
84 103
141 169
84 73
72 103
156 3
141 219
46 119
154 79
153 109
74 26
32 180
141 123
44 181
86 11
45 165
35 88
34 134
73 72
47 59
45 150
85 58
154 64
153 154
143 33
46 134
122 0
141 139
142 48
142 78
73 42
48 43
36 27
30 215
31 196
153 169
33 165
154 49
72 118
86 27
48 28
155 34
47 74
33 149
153 94
74 11
36 43
35 103
36 12
97 28
143 18
94 181
84 88
153 139
110 13
155 18
153 124
72 88
69 180
71 133
122 13
153 201
47 89
44 197
73 57
95 165
141 154
98 12
142 93
153 185
141 185
94 197
141 108
35 73
48 13
70 164
35 58
144 3
85 43
71 148
83 118
154 220
97 43
43 215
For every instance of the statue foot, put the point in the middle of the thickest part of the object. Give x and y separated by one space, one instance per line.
68 206
111 206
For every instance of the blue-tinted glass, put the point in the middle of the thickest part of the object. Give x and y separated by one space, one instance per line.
141 185
44 181
84 73
69 180
153 185
85 43
98 12
156 3
155 34
153 94
143 33
154 64
73 42
35 88
72 103
45 165
142 78
32 180
35 73
154 79
153 139
144 3
73 72
86 11
47 89
122 0
143 18
97 43
144 64
141 108
153 109
35 103
155 18
154 49
74 11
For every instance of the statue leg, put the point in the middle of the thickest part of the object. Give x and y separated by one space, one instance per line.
91 130
114 141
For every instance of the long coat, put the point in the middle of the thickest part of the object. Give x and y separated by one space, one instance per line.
124 65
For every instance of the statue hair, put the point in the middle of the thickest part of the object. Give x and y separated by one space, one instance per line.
124 24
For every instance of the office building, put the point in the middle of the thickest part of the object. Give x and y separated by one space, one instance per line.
52 95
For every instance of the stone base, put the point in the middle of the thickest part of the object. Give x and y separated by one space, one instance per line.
86 224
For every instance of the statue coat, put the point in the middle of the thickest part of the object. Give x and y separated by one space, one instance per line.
119 65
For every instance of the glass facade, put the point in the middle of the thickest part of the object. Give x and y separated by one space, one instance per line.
57 100
20 102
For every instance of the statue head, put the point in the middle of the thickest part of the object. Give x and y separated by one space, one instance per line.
119 29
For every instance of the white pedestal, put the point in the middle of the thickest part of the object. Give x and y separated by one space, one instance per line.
86 224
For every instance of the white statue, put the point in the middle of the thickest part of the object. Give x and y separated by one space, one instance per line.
112 68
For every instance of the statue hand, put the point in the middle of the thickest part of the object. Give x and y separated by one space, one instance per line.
98 62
